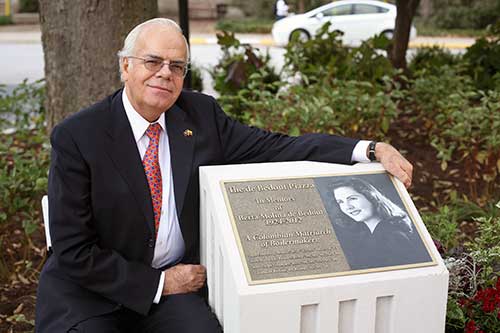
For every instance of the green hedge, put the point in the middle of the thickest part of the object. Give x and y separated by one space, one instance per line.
28 6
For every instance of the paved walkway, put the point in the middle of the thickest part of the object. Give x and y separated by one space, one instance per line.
203 33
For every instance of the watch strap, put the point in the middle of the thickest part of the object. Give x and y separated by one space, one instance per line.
371 151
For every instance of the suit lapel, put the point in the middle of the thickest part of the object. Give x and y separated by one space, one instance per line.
181 143
122 149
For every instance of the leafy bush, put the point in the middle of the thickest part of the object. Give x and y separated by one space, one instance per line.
319 57
24 160
466 14
459 17
482 60
324 56
472 131
339 107
473 298
253 25
431 60
22 109
316 97
4 20
238 63
483 310
443 226
429 93
196 78
28 6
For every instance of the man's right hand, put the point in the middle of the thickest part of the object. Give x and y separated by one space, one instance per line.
182 278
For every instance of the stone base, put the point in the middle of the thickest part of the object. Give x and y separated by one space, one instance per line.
405 300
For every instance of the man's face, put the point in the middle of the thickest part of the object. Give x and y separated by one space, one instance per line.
150 92
353 204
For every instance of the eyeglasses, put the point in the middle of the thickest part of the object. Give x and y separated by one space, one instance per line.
178 68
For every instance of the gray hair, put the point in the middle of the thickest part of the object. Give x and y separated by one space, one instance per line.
131 39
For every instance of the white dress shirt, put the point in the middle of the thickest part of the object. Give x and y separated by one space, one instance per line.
169 247
359 152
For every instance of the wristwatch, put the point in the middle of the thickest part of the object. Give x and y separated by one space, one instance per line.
371 151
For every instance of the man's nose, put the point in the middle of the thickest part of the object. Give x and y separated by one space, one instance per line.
164 71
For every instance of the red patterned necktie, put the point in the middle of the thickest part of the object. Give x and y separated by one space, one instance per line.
152 168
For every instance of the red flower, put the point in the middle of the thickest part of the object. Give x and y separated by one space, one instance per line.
482 310
470 327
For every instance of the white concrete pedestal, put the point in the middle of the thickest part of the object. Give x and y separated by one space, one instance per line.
398 301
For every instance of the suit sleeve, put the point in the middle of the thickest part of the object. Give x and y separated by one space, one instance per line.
247 144
75 240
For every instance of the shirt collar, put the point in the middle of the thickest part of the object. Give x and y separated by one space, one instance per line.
137 122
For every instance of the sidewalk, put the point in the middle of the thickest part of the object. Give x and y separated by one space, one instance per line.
203 33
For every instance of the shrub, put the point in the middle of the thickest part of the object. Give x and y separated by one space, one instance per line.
431 60
443 226
483 310
28 6
473 297
428 93
482 60
337 107
466 14
254 25
196 78
324 56
238 63
5 20
462 124
319 57
472 131
459 17
24 160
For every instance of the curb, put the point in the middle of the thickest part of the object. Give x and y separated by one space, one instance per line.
243 40
447 45
270 42
20 38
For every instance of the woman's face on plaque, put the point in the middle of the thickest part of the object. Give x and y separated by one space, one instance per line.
353 204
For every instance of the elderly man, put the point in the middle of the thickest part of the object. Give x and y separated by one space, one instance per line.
124 195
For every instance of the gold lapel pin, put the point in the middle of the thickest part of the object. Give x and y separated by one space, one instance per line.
188 133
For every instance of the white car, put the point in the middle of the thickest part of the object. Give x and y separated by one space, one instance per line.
358 19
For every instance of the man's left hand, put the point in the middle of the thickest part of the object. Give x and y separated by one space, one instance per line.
394 162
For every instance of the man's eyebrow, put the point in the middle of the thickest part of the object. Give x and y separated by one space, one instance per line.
156 57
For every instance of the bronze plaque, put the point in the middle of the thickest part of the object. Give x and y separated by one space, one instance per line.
294 228
283 230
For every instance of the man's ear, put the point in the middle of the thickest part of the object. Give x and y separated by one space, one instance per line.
125 68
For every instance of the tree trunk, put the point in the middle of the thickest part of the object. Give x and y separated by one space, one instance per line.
301 6
80 41
426 9
406 12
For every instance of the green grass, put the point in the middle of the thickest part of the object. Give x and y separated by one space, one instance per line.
246 25
428 29
4 20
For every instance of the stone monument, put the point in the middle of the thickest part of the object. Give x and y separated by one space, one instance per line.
288 249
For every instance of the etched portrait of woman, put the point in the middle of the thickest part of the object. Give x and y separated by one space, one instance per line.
372 230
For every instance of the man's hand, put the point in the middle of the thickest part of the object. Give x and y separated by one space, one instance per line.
394 162
183 279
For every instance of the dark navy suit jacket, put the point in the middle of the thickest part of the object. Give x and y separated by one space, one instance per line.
100 211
